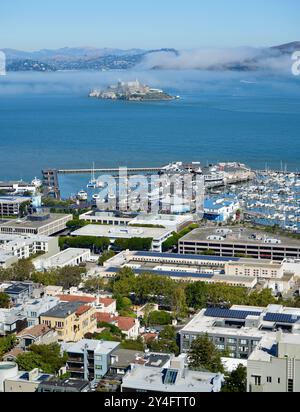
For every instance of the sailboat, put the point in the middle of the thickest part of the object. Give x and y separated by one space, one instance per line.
93 182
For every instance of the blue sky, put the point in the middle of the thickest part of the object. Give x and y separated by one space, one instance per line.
35 24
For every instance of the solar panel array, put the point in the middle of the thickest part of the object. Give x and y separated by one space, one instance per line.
229 314
187 257
170 377
281 318
165 273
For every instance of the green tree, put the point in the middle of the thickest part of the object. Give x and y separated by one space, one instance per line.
204 355
160 317
4 300
94 284
236 381
106 255
168 332
48 358
7 343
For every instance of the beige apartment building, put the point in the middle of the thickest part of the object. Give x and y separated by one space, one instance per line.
71 320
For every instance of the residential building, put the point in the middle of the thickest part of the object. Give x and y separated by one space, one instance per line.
129 326
64 386
19 292
25 381
12 321
89 359
34 308
68 257
15 247
37 224
71 320
175 378
158 235
239 241
37 335
274 366
241 328
11 205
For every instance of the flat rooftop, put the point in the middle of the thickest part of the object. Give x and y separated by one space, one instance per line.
205 321
115 232
104 347
35 224
14 199
239 235
65 256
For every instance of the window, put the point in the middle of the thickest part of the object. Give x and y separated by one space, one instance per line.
99 367
269 379
231 340
244 342
98 358
279 380
291 385
257 380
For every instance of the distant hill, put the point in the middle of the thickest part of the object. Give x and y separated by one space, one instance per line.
89 58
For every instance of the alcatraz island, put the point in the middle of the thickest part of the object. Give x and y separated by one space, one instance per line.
131 91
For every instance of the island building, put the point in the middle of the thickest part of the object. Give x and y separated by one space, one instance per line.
46 224
71 320
274 365
240 329
237 241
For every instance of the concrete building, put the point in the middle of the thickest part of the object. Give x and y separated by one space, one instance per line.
25 381
181 268
89 359
237 241
12 321
11 205
220 209
175 223
71 320
241 328
274 366
37 335
37 224
107 218
68 257
158 235
64 386
15 247
34 308
175 378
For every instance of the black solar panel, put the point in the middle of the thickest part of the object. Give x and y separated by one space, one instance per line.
181 256
281 318
170 377
229 314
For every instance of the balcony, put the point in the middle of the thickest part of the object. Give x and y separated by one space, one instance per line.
75 359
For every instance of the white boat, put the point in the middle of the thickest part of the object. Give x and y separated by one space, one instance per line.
36 182
93 182
82 195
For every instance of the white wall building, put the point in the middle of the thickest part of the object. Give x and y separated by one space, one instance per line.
68 257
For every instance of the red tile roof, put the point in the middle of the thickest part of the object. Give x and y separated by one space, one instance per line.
106 301
122 322
82 309
77 298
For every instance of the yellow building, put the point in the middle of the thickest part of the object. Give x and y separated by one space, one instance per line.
71 320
